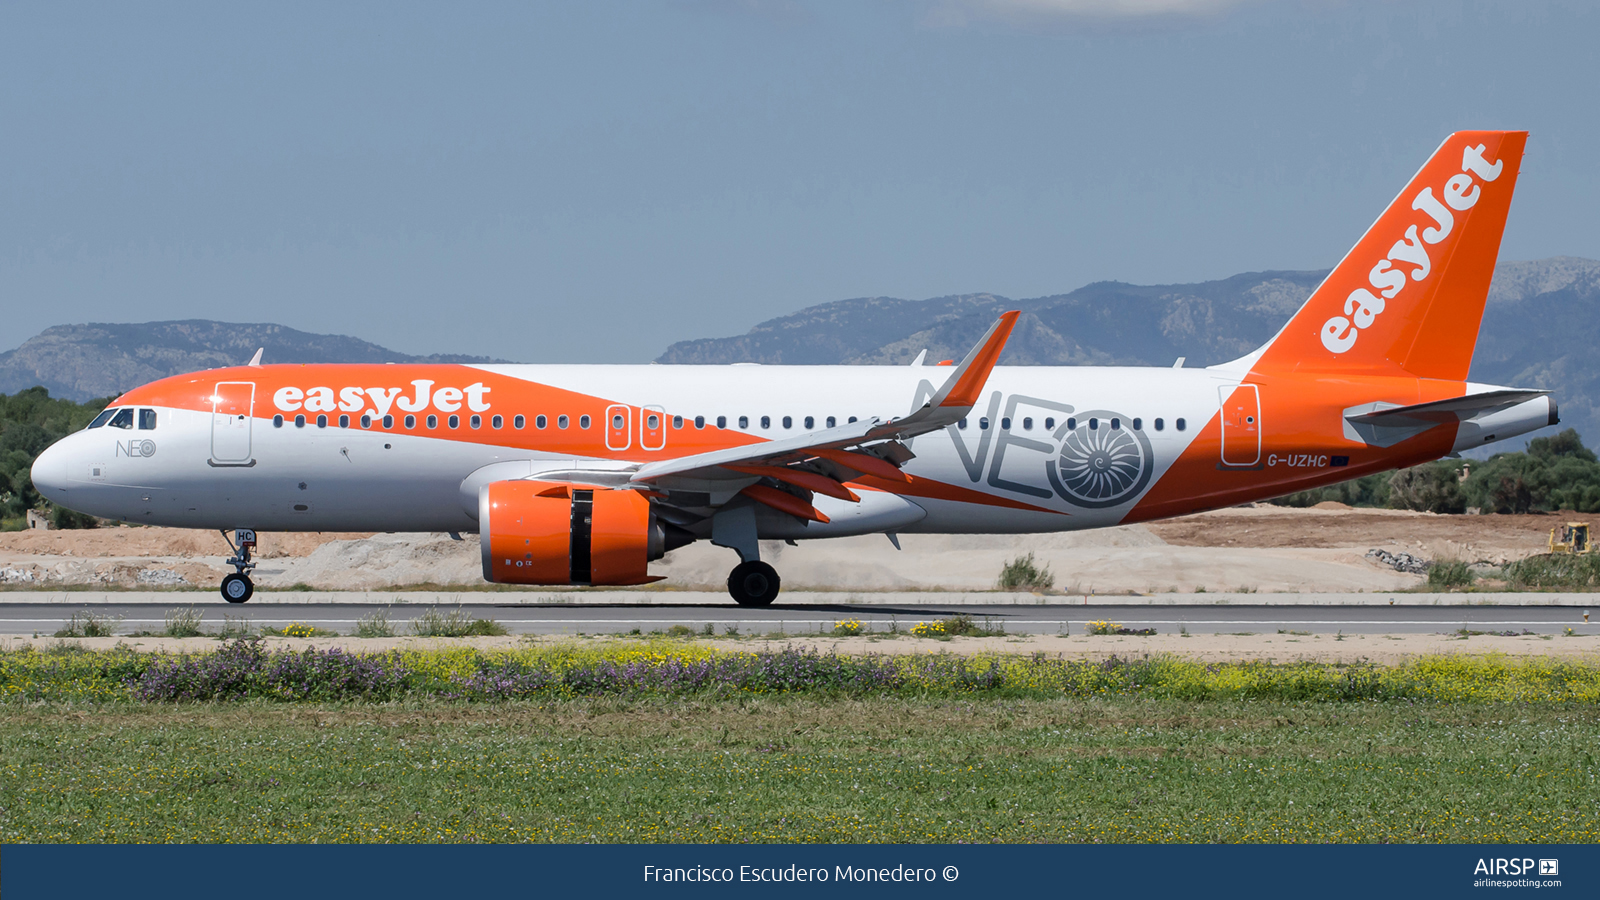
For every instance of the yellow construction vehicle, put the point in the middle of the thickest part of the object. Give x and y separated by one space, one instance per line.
1573 537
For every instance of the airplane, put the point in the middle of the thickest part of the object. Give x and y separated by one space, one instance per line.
584 474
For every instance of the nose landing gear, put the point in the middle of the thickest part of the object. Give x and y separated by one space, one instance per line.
237 588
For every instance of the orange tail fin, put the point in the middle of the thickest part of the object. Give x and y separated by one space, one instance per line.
1410 295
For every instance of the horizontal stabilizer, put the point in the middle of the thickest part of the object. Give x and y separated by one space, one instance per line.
1454 409
1386 424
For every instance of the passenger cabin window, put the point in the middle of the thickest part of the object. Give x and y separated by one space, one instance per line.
851 419
366 421
962 424
1072 423
788 421
147 420
652 421
344 421
411 421
832 422
983 423
475 421
744 421
322 421
123 419
1005 423
1138 424
583 421
300 421
1049 424
677 421
616 422
810 423
1094 424
497 422
766 421
388 421
1116 424
454 421
1181 424
722 421
699 421
1027 423
519 422
562 421
1160 425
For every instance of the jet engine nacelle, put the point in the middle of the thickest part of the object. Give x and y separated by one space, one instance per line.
537 532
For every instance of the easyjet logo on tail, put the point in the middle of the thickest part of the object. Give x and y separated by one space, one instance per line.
1362 307
378 400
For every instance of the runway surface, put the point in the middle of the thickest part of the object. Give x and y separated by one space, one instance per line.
45 619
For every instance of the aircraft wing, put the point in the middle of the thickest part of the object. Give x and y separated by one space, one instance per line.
870 446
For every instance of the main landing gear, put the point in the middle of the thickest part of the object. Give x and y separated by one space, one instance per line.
753 583
237 588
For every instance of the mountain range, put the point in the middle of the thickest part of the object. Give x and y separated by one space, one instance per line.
80 362
1540 329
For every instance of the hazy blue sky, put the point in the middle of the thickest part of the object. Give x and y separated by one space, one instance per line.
592 181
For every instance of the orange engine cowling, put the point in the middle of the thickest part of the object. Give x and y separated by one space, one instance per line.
534 532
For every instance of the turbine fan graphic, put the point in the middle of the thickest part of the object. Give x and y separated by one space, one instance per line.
1100 465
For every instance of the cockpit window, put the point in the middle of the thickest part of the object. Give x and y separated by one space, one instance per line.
147 420
103 418
123 419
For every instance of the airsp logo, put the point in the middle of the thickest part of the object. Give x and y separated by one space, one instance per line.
145 448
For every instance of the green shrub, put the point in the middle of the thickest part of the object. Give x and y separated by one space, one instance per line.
234 627
31 420
1454 573
1025 574
88 624
454 623
1370 490
1556 472
1565 570
63 518
183 623
375 625
1434 487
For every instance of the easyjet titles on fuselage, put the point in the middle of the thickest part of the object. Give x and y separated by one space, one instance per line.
382 399
1362 307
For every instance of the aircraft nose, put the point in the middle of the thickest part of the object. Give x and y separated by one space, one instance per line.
49 473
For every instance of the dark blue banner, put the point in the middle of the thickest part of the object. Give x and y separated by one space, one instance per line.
389 871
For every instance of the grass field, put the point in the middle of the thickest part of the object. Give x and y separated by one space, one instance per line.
1131 758
802 769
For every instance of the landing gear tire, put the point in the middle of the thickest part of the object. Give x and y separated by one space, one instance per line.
753 584
237 588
